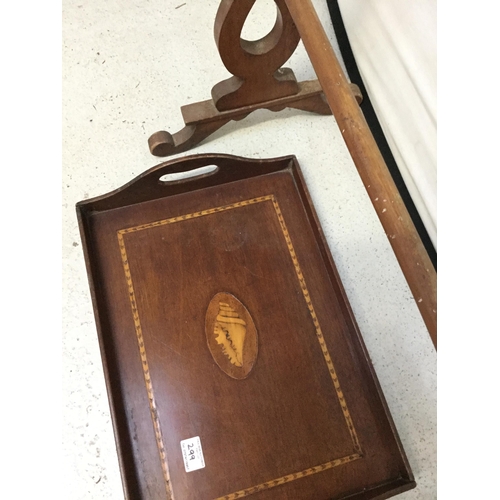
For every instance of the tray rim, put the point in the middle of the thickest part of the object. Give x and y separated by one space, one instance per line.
86 208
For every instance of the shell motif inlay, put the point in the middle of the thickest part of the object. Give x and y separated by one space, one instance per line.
231 335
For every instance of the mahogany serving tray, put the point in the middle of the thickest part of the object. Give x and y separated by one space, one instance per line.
233 362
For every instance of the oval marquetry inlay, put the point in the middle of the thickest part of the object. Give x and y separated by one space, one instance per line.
231 335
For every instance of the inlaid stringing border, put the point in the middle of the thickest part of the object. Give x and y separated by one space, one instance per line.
290 477
319 334
145 368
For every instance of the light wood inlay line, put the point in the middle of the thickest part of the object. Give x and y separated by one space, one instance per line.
194 215
317 326
290 477
145 368
324 349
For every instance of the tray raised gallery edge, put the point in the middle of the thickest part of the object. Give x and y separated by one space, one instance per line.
233 362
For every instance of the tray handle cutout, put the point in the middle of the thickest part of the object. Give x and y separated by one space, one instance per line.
182 175
187 175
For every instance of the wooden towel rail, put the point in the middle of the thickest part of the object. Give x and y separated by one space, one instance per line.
406 243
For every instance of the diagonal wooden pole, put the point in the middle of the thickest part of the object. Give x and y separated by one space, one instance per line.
406 243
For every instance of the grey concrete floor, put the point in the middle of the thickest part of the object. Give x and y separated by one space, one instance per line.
127 69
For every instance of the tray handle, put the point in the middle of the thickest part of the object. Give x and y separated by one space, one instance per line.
182 175
183 170
188 175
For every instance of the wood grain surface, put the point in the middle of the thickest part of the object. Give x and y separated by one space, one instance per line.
240 246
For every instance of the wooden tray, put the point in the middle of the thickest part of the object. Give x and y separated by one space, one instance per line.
233 362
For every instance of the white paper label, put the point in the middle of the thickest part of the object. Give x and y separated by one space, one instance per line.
192 454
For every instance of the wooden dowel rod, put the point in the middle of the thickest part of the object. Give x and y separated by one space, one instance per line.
399 228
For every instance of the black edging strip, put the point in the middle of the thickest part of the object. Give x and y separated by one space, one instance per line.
376 129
